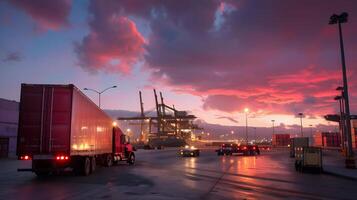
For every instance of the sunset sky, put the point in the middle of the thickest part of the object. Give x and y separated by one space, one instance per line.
214 58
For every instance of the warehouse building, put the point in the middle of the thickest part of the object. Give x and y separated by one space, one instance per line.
9 114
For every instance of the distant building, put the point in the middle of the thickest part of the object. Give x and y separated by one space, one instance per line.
9 114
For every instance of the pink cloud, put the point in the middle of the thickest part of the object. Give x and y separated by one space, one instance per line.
113 44
48 14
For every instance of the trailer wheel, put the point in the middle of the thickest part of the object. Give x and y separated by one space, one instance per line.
131 159
93 165
108 160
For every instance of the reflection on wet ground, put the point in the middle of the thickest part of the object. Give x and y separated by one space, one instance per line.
161 174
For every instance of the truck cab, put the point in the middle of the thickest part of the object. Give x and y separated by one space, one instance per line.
123 150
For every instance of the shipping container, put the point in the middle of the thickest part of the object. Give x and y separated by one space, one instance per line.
308 158
297 143
327 139
60 127
280 140
354 133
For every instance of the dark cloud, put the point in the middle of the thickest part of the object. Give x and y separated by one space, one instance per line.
48 14
12 57
271 57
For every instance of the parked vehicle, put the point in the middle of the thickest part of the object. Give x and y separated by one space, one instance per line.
308 158
265 147
189 151
296 143
232 148
59 128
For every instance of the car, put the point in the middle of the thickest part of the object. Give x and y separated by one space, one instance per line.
189 151
232 148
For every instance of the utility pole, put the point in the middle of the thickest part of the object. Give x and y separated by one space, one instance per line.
246 110
273 126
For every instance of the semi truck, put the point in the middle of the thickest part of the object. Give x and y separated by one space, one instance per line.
296 143
61 128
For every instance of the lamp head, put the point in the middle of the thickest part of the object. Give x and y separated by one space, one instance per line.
340 88
333 19
337 98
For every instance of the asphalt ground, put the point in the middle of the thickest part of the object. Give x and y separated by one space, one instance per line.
162 174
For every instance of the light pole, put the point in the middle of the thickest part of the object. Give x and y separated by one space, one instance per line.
301 115
339 19
273 126
342 121
246 110
255 135
99 93
310 133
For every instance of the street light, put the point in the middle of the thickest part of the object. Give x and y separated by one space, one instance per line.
99 93
301 115
311 132
339 19
246 110
342 120
255 135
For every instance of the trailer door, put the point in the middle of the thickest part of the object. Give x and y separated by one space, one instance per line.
44 123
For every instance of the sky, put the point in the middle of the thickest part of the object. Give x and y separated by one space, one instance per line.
211 57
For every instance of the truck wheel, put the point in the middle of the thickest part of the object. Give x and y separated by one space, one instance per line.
86 166
108 160
93 165
131 159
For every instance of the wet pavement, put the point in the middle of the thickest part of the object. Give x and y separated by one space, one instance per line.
161 174
334 164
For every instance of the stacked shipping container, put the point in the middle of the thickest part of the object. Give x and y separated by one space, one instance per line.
281 140
327 139
354 133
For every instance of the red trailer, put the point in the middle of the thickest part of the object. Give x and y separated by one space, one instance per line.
59 128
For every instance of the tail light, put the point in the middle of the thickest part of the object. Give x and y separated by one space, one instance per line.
253 148
25 157
62 157
244 148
